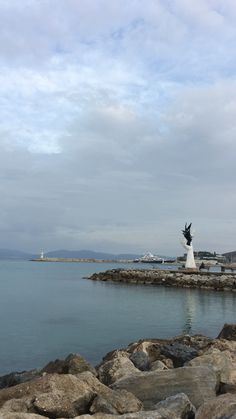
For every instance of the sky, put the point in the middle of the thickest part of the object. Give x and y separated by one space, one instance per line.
117 124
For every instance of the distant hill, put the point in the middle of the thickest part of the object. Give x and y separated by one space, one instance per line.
9 254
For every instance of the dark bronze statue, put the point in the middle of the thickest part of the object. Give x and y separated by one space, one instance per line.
187 233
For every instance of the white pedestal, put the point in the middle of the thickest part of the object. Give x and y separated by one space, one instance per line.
190 262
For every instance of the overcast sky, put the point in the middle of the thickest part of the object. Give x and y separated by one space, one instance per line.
117 124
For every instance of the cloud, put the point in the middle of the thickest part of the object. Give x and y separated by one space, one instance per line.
117 124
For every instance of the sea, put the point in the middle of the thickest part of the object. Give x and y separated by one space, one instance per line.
49 310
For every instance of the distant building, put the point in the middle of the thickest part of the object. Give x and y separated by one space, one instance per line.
206 255
230 257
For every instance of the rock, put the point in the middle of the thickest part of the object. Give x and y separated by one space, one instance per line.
168 362
73 364
53 395
114 354
116 368
119 401
198 383
92 382
98 416
228 332
152 348
222 407
223 363
58 404
198 342
222 345
20 416
151 414
17 405
140 360
158 365
179 353
139 415
15 378
179 405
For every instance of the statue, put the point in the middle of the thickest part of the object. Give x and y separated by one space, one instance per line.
187 244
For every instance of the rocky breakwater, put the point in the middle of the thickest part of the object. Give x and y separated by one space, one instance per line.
185 377
184 279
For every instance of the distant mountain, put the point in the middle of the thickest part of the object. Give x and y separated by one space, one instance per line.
87 254
9 254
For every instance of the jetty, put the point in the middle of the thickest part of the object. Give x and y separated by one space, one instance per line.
79 260
184 278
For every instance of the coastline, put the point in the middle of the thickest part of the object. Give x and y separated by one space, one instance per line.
216 281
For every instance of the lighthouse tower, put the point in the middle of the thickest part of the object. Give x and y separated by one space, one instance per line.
42 255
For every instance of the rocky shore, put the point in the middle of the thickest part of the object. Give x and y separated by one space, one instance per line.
183 278
185 377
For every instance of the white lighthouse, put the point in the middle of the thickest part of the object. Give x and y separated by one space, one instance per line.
42 255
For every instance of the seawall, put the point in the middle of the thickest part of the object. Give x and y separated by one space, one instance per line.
183 279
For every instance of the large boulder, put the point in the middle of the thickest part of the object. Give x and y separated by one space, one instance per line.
116 368
223 363
228 332
179 353
108 400
57 396
118 402
178 405
72 364
222 407
198 383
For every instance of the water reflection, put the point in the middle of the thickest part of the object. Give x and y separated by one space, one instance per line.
203 310
189 311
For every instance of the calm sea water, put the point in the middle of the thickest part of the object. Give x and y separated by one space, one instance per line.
47 310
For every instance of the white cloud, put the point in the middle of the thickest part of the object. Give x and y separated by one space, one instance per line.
120 116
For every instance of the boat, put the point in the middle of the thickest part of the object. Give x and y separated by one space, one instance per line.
149 258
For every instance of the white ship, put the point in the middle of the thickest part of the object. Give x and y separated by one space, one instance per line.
149 258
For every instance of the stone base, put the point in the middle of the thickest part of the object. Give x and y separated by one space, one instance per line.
190 270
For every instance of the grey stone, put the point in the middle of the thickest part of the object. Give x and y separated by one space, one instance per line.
179 405
198 383
228 332
179 353
140 360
